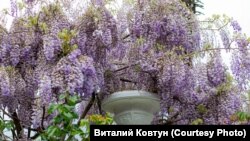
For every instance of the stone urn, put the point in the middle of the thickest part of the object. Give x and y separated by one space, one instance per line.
132 107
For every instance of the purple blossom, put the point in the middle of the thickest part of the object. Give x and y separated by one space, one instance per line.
14 8
235 25
216 72
242 44
225 38
240 64
51 46
15 55
73 56
45 90
4 82
107 37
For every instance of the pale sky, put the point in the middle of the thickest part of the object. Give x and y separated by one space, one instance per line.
238 9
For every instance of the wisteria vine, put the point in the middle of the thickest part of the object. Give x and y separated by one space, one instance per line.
152 45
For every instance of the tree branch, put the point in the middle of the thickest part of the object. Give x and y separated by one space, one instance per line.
90 103
125 37
123 68
4 112
127 80
99 103
43 117
35 136
17 124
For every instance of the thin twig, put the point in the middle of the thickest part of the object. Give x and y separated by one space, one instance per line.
127 80
4 112
13 134
29 131
35 136
216 28
170 120
17 124
43 117
125 37
123 68
91 102
99 103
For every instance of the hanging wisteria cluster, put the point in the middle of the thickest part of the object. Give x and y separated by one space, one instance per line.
153 45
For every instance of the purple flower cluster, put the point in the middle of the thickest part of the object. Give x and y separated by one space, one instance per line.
240 68
14 8
45 89
51 46
216 72
235 26
4 82
168 28
97 33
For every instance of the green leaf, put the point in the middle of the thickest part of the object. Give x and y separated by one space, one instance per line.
58 120
2 126
44 26
75 46
84 123
5 11
201 109
62 96
52 108
72 100
207 46
52 130
68 107
21 5
76 132
248 117
9 125
242 116
197 122
63 125
68 115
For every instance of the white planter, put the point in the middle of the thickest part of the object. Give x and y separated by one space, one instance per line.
132 107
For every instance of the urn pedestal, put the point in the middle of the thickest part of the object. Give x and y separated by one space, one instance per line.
132 107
